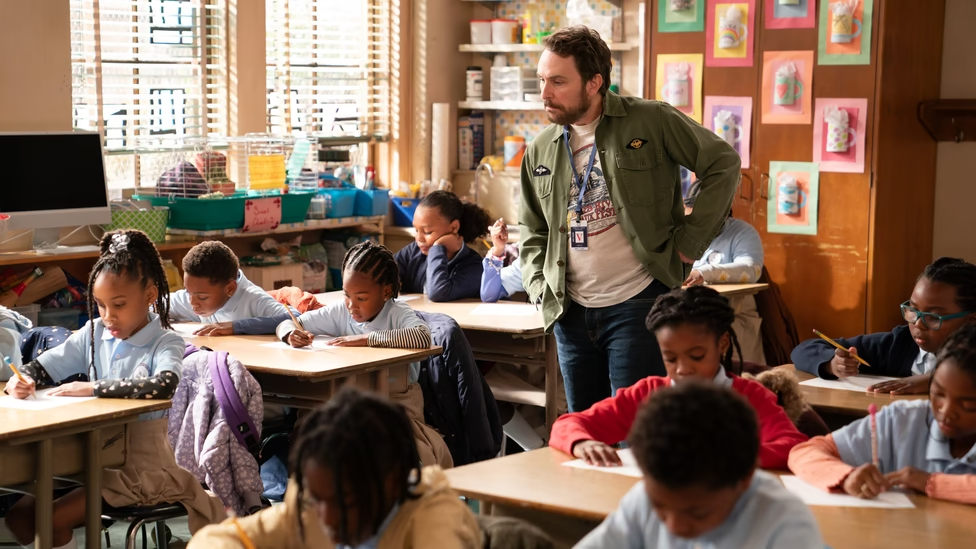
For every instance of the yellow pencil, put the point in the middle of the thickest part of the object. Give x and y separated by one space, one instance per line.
16 372
298 325
248 544
835 344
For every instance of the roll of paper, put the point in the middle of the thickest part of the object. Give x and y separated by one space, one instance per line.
440 142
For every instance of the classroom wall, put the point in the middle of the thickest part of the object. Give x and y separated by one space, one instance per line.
955 185
35 65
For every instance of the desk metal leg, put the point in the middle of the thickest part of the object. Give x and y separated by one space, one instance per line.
44 496
552 382
93 491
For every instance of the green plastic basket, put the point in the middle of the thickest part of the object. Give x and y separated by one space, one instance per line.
152 222
202 215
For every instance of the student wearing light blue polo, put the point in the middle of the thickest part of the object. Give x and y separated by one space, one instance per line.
502 276
688 498
928 446
217 292
127 352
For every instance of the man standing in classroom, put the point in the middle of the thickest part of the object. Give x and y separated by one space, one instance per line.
604 235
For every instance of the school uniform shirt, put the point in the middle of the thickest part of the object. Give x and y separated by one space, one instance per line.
146 365
908 436
434 518
396 325
499 281
889 353
609 420
735 256
924 363
442 279
249 301
766 516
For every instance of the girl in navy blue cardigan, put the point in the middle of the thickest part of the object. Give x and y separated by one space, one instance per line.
944 299
438 261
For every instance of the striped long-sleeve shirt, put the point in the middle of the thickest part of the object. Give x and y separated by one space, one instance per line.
396 326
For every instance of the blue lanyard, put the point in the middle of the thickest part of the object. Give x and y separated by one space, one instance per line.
572 166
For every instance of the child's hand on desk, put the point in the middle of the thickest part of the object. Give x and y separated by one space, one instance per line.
912 385
350 341
596 453
300 338
74 389
909 477
218 329
865 482
844 364
695 279
18 389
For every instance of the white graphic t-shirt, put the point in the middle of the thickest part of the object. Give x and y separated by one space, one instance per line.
607 273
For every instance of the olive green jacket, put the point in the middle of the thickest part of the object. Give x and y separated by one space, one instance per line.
641 143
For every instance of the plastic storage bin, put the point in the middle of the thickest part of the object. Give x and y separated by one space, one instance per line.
30 311
66 318
294 206
372 202
340 202
403 209
201 215
512 83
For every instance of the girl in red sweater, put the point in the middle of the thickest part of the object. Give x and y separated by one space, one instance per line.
694 330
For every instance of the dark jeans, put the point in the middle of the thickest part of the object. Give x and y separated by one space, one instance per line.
607 348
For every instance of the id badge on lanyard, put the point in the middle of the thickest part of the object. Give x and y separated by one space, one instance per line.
578 235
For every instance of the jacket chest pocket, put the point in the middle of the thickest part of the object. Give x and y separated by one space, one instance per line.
542 186
642 184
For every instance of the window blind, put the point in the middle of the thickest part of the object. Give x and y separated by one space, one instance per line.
145 69
328 66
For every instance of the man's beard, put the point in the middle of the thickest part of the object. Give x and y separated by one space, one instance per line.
567 116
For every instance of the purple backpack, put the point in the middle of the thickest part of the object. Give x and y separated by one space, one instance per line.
230 402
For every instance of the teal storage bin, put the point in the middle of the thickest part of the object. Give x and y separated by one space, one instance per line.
339 202
294 206
66 318
373 202
201 215
403 209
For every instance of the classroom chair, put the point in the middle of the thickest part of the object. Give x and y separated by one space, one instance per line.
138 518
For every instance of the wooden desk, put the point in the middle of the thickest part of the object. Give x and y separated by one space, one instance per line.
306 379
29 439
518 339
536 481
849 403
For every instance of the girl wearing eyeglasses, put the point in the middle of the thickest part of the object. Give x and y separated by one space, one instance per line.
944 300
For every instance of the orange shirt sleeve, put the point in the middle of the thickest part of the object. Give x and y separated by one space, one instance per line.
818 462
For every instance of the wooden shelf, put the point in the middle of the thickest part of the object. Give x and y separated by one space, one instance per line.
21 258
501 105
949 119
517 48
307 225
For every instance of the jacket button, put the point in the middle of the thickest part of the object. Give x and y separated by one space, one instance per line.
560 263
559 294
562 229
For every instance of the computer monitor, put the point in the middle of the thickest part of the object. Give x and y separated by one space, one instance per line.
50 180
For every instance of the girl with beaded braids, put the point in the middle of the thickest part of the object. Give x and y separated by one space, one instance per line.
693 327
370 316
127 352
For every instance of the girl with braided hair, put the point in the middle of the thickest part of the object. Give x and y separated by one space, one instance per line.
358 482
128 352
944 300
693 327
371 316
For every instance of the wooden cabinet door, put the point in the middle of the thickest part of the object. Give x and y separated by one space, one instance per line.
822 278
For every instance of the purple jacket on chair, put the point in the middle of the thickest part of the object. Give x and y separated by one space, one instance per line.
203 441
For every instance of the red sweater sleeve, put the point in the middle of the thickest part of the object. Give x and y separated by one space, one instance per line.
958 488
607 421
777 434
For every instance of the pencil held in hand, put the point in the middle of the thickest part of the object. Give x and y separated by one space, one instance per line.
298 325
16 372
837 345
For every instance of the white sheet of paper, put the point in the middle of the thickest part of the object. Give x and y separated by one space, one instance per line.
42 402
186 330
406 298
318 344
628 469
859 383
503 309
812 495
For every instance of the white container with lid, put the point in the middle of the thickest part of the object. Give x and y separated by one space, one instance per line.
504 31
481 31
